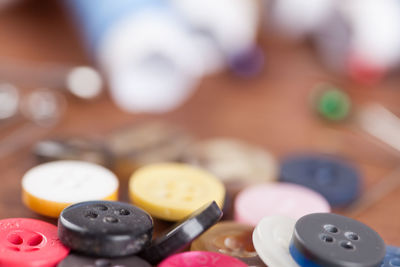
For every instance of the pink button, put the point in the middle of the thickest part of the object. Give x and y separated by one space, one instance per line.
201 259
29 243
295 201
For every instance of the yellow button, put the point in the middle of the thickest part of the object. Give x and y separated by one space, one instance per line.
172 191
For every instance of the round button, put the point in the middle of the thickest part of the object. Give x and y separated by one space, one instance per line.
105 228
334 178
76 260
9 101
330 240
236 163
172 191
271 239
392 258
147 143
285 199
73 149
50 187
248 63
29 243
201 258
230 238
182 234
331 103
43 106
363 71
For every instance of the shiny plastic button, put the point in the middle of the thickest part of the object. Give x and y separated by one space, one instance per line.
49 188
392 258
230 238
105 228
334 178
73 149
271 239
200 259
172 191
235 163
331 103
29 243
147 143
182 234
330 240
76 260
295 201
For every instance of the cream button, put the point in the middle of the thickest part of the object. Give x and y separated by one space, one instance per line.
271 239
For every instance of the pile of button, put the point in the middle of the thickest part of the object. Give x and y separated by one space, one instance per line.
273 216
107 233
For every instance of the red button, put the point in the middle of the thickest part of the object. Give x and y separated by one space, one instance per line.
29 243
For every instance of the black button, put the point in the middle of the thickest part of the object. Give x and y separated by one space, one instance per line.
182 233
330 240
105 228
76 260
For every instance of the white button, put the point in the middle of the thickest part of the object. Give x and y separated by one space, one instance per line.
271 239
50 187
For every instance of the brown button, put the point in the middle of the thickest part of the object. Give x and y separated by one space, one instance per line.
147 143
230 238
236 163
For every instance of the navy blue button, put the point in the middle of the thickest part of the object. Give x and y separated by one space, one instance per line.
334 178
331 240
392 258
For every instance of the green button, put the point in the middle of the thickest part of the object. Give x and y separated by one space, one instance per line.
332 104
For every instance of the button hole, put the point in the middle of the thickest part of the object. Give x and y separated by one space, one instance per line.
352 236
100 207
91 215
327 238
124 212
14 248
347 245
188 198
15 239
35 240
168 195
331 228
110 219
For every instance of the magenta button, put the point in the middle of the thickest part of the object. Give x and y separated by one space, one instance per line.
295 201
201 259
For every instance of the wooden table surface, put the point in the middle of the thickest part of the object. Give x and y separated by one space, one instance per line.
271 110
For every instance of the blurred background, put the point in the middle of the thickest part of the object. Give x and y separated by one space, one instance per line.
284 75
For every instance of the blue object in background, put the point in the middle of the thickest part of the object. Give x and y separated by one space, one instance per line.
334 178
144 50
95 17
392 258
